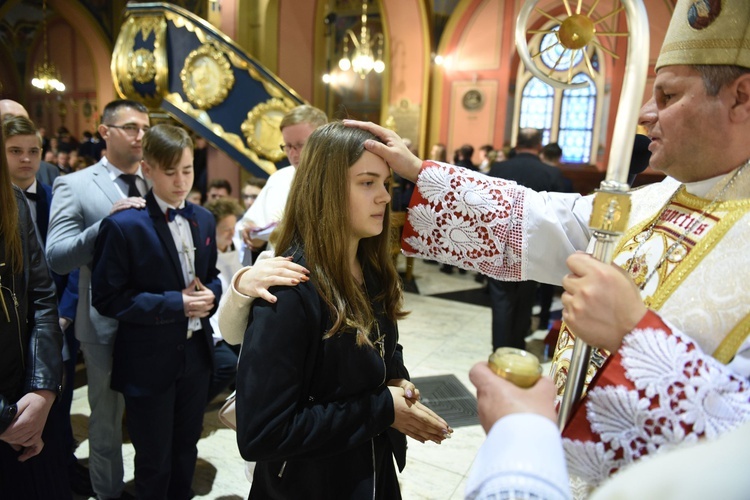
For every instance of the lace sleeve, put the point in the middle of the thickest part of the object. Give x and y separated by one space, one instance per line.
494 226
657 392
467 219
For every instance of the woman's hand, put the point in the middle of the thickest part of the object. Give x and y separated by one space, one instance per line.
410 390
278 271
26 429
416 420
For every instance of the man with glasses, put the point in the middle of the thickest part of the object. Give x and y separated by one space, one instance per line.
296 127
81 200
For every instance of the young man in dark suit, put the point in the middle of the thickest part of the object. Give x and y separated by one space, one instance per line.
47 172
155 272
23 150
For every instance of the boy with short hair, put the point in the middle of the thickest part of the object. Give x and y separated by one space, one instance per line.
23 151
155 272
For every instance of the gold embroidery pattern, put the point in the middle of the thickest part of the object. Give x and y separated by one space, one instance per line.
727 213
670 276
732 342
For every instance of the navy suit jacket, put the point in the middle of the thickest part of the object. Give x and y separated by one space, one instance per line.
137 280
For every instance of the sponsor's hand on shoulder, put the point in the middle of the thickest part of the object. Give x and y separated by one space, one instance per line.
277 271
125 203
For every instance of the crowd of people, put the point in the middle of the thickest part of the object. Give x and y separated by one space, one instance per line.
158 292
68 225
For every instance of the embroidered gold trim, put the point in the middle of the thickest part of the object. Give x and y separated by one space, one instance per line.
732 342
729 212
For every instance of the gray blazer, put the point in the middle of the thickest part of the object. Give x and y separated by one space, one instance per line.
47 173
79 202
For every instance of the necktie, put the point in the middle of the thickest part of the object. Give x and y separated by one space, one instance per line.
186 212
31 196
132 186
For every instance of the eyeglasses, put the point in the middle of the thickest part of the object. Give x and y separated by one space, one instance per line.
289 147
130 129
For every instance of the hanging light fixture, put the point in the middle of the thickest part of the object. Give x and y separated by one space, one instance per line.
46 76
367 54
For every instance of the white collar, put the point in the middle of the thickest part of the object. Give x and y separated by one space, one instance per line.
163 205
115 172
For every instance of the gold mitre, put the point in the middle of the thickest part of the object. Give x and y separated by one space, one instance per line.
713 32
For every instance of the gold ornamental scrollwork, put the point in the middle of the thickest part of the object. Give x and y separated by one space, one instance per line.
261 128
131 66
206 77
142 66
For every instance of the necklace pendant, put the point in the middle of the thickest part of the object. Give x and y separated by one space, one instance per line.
638 269
678 252
644 235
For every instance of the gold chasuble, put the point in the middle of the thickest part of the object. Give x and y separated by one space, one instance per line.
680 256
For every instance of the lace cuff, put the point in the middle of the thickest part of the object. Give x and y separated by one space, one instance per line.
657 392
467 219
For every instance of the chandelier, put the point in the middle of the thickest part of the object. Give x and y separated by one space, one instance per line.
368 52
46 76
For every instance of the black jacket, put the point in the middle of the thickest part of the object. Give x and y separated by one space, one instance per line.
529 171
30 336
315 414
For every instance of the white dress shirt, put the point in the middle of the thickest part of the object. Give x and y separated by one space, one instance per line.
183 241
122 186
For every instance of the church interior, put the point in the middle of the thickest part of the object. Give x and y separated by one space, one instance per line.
435 71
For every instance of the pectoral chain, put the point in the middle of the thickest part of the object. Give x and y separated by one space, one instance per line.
644 236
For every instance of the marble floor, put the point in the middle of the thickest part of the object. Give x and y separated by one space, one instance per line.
439 337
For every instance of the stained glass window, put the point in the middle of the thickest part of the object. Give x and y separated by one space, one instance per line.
577 121
537 106
566 116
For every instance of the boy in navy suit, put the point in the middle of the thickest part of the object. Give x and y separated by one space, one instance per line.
155 272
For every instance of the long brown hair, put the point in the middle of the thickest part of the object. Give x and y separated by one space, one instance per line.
9 216
316 218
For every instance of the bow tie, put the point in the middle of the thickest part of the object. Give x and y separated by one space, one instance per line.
31 196
186 212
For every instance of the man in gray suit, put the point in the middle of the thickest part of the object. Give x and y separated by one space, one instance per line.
80 201
47 172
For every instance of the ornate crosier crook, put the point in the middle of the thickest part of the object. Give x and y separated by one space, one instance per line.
611 210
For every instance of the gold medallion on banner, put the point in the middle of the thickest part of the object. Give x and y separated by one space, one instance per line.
206 77
261 128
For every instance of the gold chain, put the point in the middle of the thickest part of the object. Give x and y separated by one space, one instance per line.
677 244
